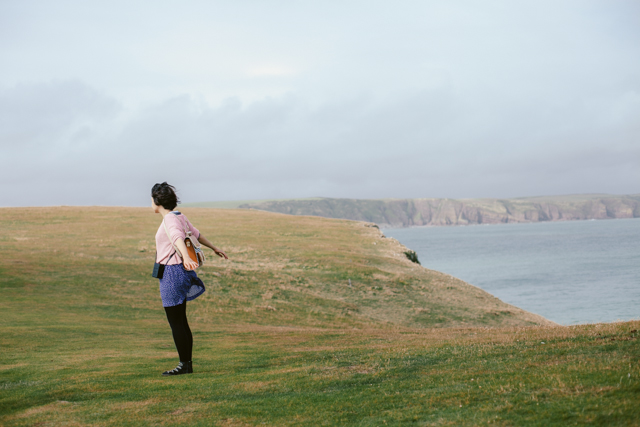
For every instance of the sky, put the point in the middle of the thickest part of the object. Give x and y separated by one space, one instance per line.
284 99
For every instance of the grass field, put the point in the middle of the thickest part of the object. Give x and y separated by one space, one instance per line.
280 336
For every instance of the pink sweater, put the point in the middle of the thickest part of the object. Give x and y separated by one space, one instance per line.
175 225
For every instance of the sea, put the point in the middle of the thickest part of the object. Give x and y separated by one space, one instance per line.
570 272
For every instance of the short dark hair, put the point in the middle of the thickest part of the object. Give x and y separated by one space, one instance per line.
165 195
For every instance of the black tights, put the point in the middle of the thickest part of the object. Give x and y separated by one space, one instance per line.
177 317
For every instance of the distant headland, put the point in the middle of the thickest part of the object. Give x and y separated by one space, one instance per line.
442 212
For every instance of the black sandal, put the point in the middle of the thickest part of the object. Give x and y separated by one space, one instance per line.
181 369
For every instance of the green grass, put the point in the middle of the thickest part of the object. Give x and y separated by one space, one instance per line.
84 337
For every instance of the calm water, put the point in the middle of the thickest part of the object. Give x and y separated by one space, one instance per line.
569 272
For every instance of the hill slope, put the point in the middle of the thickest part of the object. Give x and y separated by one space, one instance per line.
418 212
284 270
84 337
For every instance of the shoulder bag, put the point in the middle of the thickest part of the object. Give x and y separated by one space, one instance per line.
193 246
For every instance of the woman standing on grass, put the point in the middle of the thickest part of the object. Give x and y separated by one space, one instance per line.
179 282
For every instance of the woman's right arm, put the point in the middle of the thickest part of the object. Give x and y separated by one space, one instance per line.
176 235
188 263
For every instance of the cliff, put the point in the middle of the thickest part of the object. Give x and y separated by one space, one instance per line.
438 212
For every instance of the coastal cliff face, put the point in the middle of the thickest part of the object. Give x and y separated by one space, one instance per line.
439 212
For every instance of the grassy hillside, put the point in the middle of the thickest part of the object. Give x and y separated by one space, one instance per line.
280 336
418 212
284 270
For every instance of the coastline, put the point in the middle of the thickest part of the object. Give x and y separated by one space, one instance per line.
402 213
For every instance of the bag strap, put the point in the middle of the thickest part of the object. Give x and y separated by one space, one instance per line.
187 232
166 230
174 252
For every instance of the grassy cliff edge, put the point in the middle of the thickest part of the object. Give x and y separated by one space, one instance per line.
284 270
280 336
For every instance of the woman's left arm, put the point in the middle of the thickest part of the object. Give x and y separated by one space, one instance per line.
208 244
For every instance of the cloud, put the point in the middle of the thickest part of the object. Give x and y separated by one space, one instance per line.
270 70
38 116
87 149
353 99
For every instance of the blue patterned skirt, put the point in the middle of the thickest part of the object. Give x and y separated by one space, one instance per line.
178 285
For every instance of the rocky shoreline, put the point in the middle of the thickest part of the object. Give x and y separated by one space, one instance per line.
445 212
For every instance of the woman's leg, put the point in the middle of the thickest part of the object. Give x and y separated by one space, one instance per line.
187 329
177 317
189 334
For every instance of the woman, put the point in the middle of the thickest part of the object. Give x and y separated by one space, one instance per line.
179 282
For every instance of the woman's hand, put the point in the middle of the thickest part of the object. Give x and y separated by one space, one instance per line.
220 253
189 264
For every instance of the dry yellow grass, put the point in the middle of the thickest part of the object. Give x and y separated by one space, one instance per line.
285 270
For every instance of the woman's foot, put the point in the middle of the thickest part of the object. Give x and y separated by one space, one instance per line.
182 368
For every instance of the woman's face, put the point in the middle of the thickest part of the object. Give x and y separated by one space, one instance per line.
154 206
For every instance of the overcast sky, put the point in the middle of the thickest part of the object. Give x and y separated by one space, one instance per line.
275 99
